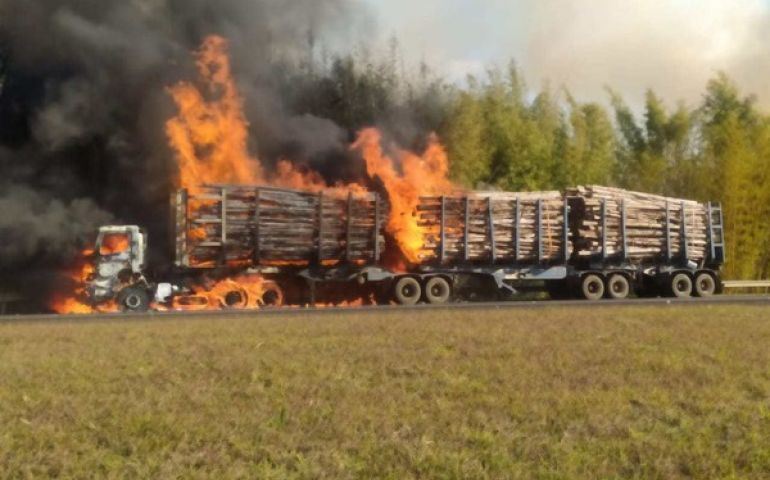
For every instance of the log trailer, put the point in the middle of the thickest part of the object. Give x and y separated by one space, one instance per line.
590 242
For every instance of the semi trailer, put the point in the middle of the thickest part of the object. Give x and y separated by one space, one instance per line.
588 242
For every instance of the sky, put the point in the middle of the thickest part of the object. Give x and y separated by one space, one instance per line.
671 46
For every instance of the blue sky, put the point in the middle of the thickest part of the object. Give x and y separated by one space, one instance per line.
673 46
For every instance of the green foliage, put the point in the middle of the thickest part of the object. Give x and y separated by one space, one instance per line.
501 134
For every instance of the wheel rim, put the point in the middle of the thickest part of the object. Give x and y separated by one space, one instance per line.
133 301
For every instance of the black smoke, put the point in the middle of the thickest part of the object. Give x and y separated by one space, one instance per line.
83 104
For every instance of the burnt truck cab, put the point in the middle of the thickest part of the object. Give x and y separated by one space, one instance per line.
119 261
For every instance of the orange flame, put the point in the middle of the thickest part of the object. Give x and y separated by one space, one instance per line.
114 243
210 134
242 292
71 302
425 174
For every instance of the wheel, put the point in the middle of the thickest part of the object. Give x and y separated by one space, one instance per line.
133 299
235 299
680 286
618 287
592 287
437 290
272 295
705 285
407 291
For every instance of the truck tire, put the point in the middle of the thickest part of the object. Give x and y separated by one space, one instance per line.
680 286
705 285
592 287
273 295
437 290
133 299
407 291
618 287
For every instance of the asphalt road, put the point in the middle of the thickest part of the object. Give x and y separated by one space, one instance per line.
758 300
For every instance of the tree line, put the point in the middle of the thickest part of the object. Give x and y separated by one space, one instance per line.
502 134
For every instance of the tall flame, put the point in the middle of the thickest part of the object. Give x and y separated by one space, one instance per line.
210 133
425 174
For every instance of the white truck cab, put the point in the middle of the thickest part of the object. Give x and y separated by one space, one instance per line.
119 261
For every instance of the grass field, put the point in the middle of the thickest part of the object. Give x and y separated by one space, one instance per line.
638 392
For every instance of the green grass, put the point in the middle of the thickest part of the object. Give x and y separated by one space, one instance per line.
642 392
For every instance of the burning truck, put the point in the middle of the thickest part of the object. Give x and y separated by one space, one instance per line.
245 237
248 246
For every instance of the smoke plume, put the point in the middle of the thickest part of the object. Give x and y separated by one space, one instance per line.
84 101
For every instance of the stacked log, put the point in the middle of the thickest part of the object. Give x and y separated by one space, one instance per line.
501 227
647 237
249 226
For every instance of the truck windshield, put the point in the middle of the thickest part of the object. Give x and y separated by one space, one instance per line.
113 244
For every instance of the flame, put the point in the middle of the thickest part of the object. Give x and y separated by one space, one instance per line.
242 292
210 133
209 137
114 243
72 302
425 174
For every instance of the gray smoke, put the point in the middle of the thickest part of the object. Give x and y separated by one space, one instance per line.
84 102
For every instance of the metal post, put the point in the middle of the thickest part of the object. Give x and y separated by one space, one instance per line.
517 221
223 233
442 250
566 231
604 230
349 227
320 229
623 228
491 224
668 232
683 229
466 254
182 225
377 221
710 225
257 221
539 230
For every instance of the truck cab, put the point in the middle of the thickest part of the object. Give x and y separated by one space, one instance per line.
119 261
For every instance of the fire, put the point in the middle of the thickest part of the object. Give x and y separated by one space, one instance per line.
425 174
210 133
114 243
71 302
242 292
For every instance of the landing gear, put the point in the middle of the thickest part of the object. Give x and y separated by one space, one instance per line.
133 299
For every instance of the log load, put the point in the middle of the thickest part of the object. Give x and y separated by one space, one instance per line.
243 226
493 227
656 227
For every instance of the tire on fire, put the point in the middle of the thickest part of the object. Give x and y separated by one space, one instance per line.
272 295
437 290
407 291
133 299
